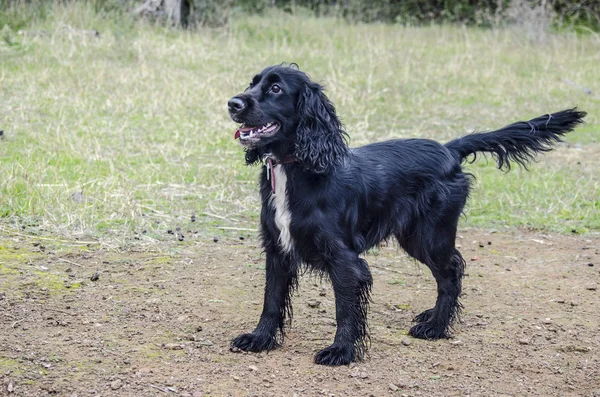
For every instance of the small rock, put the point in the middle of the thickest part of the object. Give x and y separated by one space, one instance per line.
153 301
44 268
560 301
591 287
313 303
199 328
405 341
117 384
574 303
215 239
474 258
203 342
172 346
78 197
95 276
590 264
456 342
253 368
10 388
547 321
197 394
393 387
180 238
581 349
524 341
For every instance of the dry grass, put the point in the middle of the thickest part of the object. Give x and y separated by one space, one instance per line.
136 121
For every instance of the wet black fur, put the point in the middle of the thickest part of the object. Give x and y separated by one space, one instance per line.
344 201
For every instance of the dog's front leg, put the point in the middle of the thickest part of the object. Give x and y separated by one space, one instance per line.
281 278
352 282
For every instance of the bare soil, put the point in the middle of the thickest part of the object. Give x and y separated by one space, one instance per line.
159 323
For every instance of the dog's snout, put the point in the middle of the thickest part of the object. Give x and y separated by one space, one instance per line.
236 105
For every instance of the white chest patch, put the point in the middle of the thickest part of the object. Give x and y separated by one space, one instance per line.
279 202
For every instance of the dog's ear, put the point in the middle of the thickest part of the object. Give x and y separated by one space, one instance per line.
320 140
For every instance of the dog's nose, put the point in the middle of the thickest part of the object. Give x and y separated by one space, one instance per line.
236 105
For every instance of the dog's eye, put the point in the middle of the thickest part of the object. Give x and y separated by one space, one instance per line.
275 89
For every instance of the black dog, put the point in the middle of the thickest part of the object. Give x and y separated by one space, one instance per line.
323 204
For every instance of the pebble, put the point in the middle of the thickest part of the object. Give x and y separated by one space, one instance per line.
253 368
313 303
524 341
172 346
203 342
116 384
393 387
405 342
574 303
197 394
547 321
95 276
591 287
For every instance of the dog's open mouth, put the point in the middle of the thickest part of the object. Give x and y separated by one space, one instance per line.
247 133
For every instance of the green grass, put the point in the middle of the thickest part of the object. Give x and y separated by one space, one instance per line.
136 119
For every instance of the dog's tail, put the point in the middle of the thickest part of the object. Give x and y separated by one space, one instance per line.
521 141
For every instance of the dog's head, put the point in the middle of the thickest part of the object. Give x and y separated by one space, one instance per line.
284 113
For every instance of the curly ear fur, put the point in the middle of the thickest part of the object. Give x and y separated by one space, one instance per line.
320 140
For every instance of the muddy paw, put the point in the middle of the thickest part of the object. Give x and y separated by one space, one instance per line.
253 343
430 331
336 354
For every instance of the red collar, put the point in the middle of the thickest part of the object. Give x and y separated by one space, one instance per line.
271 162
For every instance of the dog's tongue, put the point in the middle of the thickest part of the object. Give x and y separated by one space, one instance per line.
242 129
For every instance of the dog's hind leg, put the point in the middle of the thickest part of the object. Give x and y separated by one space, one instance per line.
447 266
435 323
352 283
281 279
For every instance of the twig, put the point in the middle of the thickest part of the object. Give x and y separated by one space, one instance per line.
159 388
47 238
386 268
217 216
71 262
57 310
18 321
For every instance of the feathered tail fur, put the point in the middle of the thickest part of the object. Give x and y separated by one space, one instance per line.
521 141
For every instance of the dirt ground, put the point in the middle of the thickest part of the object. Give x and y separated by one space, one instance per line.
159 323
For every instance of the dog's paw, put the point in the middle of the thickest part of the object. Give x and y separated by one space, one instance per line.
423 317
253 343
336 354
429 331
